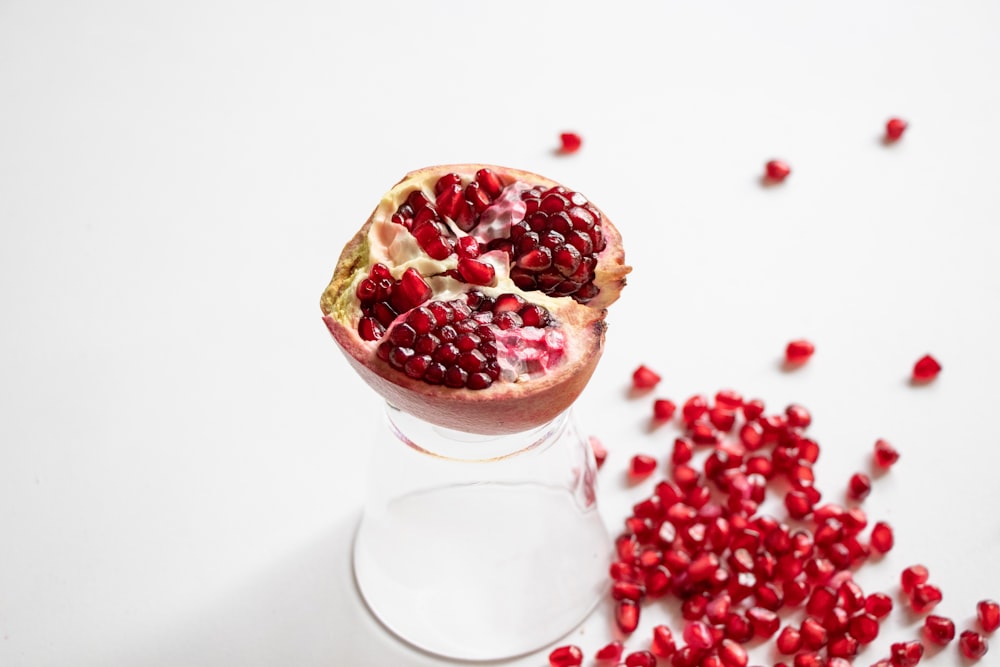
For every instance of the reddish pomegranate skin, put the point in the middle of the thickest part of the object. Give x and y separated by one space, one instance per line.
495 408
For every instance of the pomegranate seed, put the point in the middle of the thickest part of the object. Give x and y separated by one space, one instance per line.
859 486
644 378
844 646
729 399
836 621
641 466
809 659
753 409
600 451
881 537
570 142
475 272
698 635
812 633
926 369
663 409
687 656
799 351
885 454
693 408
627 590
864 628
925 597
878 605
798 505
988 612
972 644
663 642
732 654
894 128
682 452
906 654
722 418
611 653
566 656
640 659
764 621
627 616
789 640
939 629
738 628
777 170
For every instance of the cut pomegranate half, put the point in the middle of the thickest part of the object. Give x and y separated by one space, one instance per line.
475 296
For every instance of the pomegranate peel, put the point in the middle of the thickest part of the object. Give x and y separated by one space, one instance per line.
531 291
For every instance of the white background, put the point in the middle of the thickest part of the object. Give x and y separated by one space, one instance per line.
181 444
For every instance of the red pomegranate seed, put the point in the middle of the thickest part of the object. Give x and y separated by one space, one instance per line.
640 659
881 537
859 486
939 629
988 612
926 369
809 659
789 640
663 642
682 452
798 416
644 378
570 142
627 616
812 633
566 656
972 644
906 654
836 621
864 628
687 656
885 454
722 418
894 128
729 399
475 272
610 653
663 409
878 605
799 351
844 646
732 654
600 451
693 408
697 634
838 662
925 597
738 628
798 504
777 170
627 590
641 466
764 621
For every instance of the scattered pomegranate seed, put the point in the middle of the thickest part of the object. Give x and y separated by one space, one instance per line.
733 654
878 605
570 142
939 629
799 351
972 644
882 539
611 653
894 128
925 597
566 656
809 659
663 409
640 659
859 486
988 613
913 576
885 454
600 451
906 654
789 640
641 466
627 616
663 642
777 171
926 369
644 378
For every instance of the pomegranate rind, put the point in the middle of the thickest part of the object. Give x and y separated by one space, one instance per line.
505 407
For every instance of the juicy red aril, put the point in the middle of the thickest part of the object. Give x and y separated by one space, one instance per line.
641 466
864 628
882 539
885 454
640 659
611 653
924 597
972 644
764 621
682 452
566 656
799 351
732 654
789 641
939 629
693 408
906 654
844 646
663 643
777 170
859 486
627 616
697 634
626 590
663 409
809 659
688 656
798 416
812 634
570 142
878 605
988 613
926 369
894 128
644 378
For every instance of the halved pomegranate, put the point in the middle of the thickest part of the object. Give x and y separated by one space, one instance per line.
475 296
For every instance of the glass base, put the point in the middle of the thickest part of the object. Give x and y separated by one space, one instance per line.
481 548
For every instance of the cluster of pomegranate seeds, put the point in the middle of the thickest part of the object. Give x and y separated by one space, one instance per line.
569 142
553 248
799 351
383 298
454 342
894 128
926 369
777 171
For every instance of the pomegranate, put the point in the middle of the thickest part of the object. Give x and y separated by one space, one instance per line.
475 296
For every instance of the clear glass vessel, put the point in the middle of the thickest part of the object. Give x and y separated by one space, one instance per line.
481 547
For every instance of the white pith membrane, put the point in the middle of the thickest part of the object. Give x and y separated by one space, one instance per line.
523 353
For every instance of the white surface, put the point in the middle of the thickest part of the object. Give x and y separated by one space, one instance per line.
179 459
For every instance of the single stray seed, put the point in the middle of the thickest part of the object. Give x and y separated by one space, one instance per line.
894 128
644 378
641 466
777 170
988 612
972 644
566 656
570 142
799 351
926 369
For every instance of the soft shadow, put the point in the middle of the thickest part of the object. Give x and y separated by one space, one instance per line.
786 366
